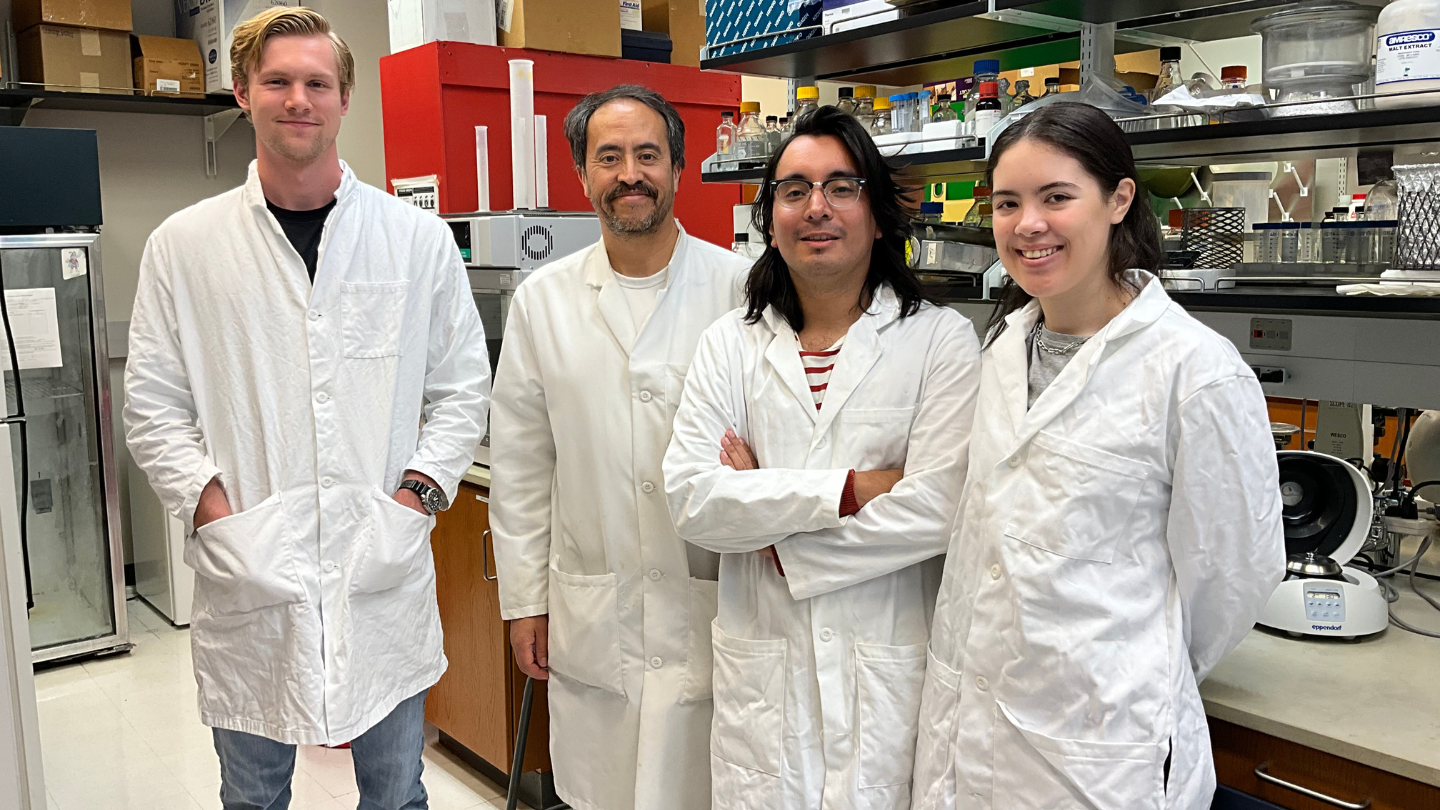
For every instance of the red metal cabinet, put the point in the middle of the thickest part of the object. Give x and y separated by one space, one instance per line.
435 95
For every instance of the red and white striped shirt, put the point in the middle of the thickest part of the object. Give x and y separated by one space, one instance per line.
818 366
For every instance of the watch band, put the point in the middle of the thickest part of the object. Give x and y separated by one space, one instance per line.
431 498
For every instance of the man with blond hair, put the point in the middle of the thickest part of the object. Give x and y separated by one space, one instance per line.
307 382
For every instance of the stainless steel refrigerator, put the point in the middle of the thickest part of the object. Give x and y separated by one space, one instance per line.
58 413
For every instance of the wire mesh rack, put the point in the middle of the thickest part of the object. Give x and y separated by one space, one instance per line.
1215 234
1417 245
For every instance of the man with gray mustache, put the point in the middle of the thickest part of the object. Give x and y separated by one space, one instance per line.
605 600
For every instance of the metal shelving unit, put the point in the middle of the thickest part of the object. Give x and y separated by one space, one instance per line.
18 101
1299 137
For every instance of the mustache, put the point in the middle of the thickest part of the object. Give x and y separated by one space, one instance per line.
622 189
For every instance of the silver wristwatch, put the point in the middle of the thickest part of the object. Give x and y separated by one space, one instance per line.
431 498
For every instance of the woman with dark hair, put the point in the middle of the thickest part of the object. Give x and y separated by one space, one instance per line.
819 447
1120 528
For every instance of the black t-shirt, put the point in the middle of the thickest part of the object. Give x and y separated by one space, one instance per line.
303 229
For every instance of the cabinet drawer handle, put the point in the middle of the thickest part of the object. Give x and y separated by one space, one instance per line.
1263 775
485 558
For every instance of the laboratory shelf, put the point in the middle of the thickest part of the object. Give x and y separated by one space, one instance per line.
1296 138
1308 301
930 44
15 102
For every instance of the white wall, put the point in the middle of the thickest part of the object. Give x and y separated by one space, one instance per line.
154 165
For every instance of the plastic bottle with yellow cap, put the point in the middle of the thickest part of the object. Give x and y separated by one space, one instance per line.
807 100
751 141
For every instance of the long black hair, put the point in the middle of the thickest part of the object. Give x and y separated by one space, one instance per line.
770 283
1095 141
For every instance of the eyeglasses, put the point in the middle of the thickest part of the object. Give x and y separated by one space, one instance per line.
840 192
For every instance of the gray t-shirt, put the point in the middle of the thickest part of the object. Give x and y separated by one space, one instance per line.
1046 363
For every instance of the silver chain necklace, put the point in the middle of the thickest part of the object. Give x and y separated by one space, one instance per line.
1050 348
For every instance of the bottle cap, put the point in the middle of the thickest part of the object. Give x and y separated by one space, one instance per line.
1177 218
771 119
980 191
897 97
727 115
847 92
944 97
810 91
987 66
742 237
1234 73
1170 53
749 106
882 103
932 207
865 91
1052 81
989 89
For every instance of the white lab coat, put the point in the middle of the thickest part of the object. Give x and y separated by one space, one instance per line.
1114 543
818 674
582 414
315 604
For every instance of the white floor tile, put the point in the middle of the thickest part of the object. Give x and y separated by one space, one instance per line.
333 768
124 732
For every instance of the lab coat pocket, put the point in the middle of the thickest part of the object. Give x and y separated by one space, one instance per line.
674 387
700 659
393 549
939 705
246 561
372 315
889 682
1074 500
585 629
749 726
1037 770
874 438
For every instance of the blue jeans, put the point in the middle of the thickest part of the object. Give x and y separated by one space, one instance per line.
255 772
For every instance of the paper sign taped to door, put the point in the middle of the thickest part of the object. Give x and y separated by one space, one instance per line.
35 326
73 263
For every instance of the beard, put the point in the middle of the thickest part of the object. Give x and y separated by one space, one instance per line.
604 203
302 152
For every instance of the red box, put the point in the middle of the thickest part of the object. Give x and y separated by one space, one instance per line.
434 96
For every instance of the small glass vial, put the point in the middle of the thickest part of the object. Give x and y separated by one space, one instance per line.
847 100
725 138
1052 86
880 123
943 110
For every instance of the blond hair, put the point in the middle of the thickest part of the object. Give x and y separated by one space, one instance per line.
251 35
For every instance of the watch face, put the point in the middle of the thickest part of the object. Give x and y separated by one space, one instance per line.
434 501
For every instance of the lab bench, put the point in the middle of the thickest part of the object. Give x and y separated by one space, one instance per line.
1353 720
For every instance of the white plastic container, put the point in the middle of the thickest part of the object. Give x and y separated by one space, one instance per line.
1248 190
1407 53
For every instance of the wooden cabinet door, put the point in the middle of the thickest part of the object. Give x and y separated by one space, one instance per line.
472 701
1240 751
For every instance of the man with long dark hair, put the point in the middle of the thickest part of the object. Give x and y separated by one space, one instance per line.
604 599
821 447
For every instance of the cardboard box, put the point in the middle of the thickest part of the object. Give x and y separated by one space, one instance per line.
211 23
567 26
416 22
88 60
760 23
112 15
684 21
847 15
167 67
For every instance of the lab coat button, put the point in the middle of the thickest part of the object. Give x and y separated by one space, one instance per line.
647 487
827 634
327 482
314 316
645 396
655 575
1014 460
995 571
329 566
322 397
981 683
656 662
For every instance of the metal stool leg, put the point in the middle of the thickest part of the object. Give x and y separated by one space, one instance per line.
517 761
